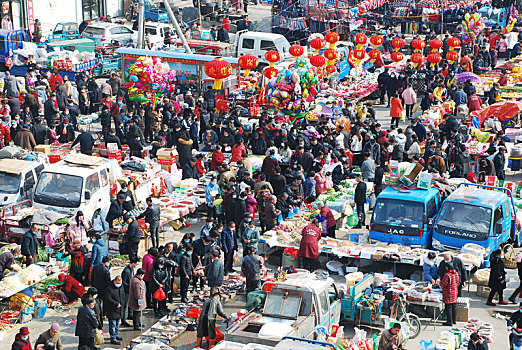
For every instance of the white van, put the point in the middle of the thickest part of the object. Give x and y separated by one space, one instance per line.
258 43
157 32
17 179
85 185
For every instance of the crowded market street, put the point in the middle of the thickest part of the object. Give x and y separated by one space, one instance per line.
273 174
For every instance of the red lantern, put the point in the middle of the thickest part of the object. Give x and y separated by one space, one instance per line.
270 72
417 58
398 43
330 69
436 44
317 43
272 56
332 38
374 54
434 58
248 62
317 61
418 44
397 56
296 50
361 39
376 40
331 54
359 54
453 42
452 56
218 69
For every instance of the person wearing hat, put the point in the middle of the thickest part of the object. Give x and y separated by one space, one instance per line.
189 170
115 210
207 320
499 161
132 236
51 337
22 341
152 217
71 288
65 131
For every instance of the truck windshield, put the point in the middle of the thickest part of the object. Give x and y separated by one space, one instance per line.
398 213
464 221
9 183
59 190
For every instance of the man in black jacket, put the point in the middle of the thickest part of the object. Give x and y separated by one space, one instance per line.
101 277
215 272
112 138
379 175
132 235
128 203
189 170
202 250
152 217
86 323
51 112
499 161
278 182
40 132
360 200
186 271
115 210
126 277
114 303
30 245
85 140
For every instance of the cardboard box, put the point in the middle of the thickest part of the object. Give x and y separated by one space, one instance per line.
483 290
462 314
167 153
46 149
411 174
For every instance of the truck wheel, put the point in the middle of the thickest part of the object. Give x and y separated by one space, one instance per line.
415 325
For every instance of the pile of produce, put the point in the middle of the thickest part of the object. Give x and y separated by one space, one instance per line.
31 274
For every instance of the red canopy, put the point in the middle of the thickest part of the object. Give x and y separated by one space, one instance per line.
501 110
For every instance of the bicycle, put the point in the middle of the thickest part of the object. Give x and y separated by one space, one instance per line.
401 314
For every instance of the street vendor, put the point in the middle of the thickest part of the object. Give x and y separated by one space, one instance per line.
309 247
392 339
132 235
6 260
71 288
207 320
128 201
115 210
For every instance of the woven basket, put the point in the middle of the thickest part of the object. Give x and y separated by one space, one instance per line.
509 257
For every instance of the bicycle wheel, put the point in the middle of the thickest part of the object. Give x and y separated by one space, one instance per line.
414 322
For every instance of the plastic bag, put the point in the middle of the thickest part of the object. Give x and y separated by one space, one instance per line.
471 177
291 214
279 218
219 336
193 313
236 257
297 210
175 287
159 294
98 338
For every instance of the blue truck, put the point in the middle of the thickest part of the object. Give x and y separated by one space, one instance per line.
479 214
11 40
403 216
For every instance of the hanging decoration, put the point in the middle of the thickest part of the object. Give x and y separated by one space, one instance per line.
218 69
148 78
418 44
417 59
296 51
248 62
374 55
397 56
452 56
472 25
270 72
376 40
453 42
434 58
359 56
360 40
398 43
317 44
331 54
435 45
317 61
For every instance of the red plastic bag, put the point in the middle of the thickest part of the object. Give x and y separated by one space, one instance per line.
159 294
292 251
193 313
219 336
471 177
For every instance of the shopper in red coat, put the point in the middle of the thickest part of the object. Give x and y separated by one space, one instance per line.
22 341
309 247
217 158
71 288
330 220
237 151
450 292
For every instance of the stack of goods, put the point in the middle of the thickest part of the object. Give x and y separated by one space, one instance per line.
64 60
231 286
167 157
458 337
164 331
113 152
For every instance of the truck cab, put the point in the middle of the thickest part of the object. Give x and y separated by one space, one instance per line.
302 302
480 214
68 187
18 179
64 31
157 33
403 216
11 40
155 13
257 44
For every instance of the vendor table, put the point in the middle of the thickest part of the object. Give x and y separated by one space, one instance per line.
434 305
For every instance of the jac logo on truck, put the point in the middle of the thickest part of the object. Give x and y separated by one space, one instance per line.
395 231
461 234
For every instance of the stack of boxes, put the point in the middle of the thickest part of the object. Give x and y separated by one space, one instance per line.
113 152
167 158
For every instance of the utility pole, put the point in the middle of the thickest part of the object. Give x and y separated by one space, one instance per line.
141 21
178 28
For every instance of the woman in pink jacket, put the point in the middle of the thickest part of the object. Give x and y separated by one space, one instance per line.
320 184
410 99
78 229
237 151
147 264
